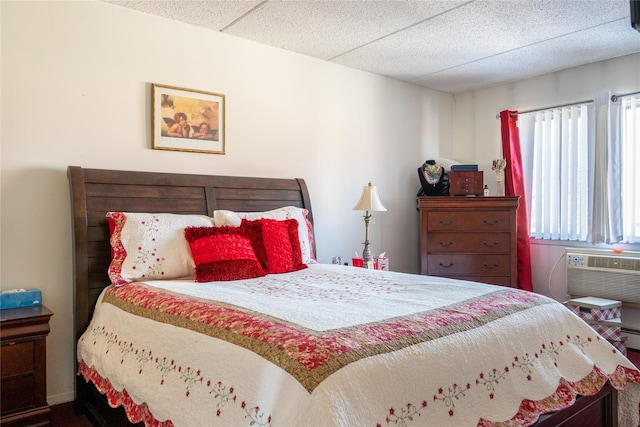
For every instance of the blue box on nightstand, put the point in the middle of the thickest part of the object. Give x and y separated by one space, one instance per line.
15 298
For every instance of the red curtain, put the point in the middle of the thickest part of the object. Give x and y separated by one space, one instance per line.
514 186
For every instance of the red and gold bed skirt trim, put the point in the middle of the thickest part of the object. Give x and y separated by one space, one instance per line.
529 412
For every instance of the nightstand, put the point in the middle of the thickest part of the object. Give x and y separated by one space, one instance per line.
23 380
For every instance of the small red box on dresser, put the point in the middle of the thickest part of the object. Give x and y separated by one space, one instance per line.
466 183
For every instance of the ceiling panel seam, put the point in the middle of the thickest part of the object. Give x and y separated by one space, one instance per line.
399 31
244 15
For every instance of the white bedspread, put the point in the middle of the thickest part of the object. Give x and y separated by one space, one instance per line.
341 346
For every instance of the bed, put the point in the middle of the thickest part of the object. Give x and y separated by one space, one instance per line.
312 344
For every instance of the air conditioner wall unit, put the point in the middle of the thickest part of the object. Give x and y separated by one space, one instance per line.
604 274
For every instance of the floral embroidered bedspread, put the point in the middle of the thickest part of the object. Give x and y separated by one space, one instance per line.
340 346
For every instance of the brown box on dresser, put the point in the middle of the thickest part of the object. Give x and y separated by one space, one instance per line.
469 238
463 183
23 367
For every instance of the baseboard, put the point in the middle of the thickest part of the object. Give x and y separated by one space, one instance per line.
56 399
633 338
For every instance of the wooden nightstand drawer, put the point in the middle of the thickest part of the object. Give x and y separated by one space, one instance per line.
440 242
469 265
17 394
468 221
16 359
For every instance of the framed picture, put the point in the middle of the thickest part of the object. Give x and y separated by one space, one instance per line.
187 120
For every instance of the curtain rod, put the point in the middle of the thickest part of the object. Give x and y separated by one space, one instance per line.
614 98
549 108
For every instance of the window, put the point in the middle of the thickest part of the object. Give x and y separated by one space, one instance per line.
630 138
580 164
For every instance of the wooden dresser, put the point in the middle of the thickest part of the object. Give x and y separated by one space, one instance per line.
23 333
469 238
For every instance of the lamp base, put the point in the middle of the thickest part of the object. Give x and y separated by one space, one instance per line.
366 254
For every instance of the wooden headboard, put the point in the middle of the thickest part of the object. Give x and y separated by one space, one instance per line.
94 192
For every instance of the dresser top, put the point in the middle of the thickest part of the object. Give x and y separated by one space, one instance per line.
471 202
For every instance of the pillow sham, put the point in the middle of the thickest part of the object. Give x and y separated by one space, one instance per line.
276 244
305 232
222 254
147 246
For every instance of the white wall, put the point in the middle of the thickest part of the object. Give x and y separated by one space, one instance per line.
76 91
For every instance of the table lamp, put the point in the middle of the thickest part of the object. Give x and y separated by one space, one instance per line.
369 201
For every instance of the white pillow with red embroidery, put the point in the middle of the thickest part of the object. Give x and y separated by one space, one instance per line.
305 231
148 246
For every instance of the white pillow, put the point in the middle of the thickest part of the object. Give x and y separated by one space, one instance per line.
305 233
151 246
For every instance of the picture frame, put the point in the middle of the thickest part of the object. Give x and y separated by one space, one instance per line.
187 120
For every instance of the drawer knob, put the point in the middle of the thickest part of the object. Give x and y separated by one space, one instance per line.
446 266
449 222
446 244
494 222
490 245
491 267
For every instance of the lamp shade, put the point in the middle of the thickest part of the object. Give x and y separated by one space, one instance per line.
369 200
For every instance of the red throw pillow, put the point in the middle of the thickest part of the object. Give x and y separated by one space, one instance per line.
275 243
222 254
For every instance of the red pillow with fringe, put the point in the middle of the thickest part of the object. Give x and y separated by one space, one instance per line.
275 243
222 254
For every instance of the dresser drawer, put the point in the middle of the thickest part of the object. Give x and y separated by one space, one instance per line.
16 359
470 242
469 265
468 221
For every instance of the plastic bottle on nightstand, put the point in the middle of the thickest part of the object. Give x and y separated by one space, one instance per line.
486 190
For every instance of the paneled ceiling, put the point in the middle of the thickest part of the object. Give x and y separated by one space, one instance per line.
447 45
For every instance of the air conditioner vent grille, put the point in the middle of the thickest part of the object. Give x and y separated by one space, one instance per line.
613 263
600 273
603 284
